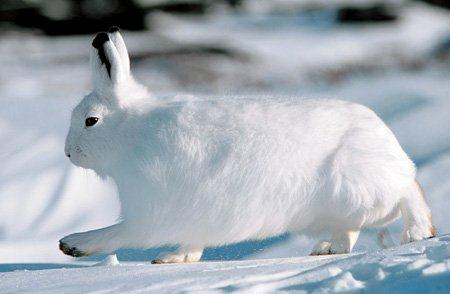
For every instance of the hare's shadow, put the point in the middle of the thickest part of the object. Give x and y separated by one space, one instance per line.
230 252
11 267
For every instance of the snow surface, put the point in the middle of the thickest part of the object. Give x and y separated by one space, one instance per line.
417 267
388 67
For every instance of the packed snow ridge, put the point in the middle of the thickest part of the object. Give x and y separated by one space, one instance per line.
422 266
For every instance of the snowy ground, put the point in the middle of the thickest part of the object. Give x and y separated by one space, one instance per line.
389 67
420 267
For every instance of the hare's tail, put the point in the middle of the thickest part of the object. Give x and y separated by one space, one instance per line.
416 215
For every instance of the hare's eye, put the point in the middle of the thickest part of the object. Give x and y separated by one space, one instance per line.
90 121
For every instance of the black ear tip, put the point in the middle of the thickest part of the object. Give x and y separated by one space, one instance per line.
100 39
113 29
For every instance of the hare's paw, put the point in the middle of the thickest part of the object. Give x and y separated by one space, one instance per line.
329 247
341 242
170 258
75 245
417 233
72 251
181 256
321 248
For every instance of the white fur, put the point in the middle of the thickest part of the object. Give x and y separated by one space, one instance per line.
208 172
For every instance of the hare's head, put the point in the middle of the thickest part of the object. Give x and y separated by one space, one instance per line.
93 139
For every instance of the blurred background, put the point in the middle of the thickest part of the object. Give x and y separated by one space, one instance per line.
391 55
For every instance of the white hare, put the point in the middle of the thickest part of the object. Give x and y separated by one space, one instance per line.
209 172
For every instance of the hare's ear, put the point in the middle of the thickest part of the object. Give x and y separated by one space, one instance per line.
116 37
106 64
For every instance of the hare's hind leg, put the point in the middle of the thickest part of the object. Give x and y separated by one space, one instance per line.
341 242
416 215
182 255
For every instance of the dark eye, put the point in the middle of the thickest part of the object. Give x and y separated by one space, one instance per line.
90 121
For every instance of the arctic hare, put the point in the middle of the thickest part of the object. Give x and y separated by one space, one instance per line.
208 172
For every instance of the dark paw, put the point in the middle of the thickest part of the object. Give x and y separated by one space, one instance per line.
72 251
157 261
328 252
113 29
433 232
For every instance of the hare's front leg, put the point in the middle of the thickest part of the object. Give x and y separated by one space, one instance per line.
182 255
341 242
96 241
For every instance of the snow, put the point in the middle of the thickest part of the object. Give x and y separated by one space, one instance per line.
418 264
437 268
438 252
110 260
344 282
43 197
396 269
